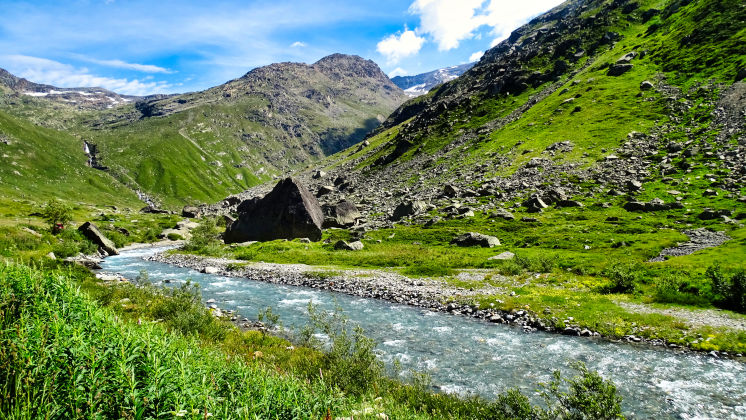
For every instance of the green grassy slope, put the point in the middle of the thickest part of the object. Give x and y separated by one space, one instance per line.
39 163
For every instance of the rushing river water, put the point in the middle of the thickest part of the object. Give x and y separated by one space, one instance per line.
464 355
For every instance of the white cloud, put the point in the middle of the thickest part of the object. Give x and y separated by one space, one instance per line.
476 56
298 44
42 70
146 68
449 22
394 47
398 72
505 16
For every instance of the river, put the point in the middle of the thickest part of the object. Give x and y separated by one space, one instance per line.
464 355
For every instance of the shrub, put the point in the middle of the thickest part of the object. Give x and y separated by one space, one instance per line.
623 277
57 214
730 292
350 361
589 397
538 264
174 237
204 237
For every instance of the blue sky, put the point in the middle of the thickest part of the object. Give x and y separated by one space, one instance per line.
143 47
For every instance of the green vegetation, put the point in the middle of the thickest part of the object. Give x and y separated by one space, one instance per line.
68 355
57 214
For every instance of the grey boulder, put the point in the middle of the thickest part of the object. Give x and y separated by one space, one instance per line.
90 231
289 211
476 239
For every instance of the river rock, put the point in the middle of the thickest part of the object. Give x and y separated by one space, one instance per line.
476 239
90 231
289 211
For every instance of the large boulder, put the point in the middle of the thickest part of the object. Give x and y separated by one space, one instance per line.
409 208
191 212
90 231
476 239
344 214
289 211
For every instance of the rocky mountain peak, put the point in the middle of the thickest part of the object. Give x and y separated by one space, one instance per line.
341 66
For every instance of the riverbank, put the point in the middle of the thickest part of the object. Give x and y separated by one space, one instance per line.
436 294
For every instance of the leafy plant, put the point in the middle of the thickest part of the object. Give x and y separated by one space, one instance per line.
730 292
350 361
589 397
57 214
203 236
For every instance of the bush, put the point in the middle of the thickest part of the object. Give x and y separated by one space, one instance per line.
589 397
70 243
539 264
204 237
623 278
174 237
57 214
349 360
730 292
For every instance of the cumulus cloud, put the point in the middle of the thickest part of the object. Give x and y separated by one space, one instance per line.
504 16
298 44
395 47
146 68
448 22
476 56
42 70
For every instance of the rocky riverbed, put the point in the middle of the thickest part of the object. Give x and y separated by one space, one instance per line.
433 294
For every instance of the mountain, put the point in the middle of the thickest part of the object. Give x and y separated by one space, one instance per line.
422 83
585 98
83 97
200 146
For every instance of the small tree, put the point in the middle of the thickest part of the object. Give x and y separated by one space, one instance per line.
56 213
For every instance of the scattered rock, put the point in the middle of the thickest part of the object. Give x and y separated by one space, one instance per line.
507 255
351 246
344 214
476 239
318 175
409 208
618 69
655 204
502 214
324 190
646 85
191 212
210 270
450 190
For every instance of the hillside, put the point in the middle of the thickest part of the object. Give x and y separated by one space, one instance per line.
199 147
602 144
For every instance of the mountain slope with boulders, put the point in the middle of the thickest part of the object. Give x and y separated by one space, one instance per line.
602 146
197 147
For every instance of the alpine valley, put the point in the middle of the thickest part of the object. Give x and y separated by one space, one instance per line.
584 181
